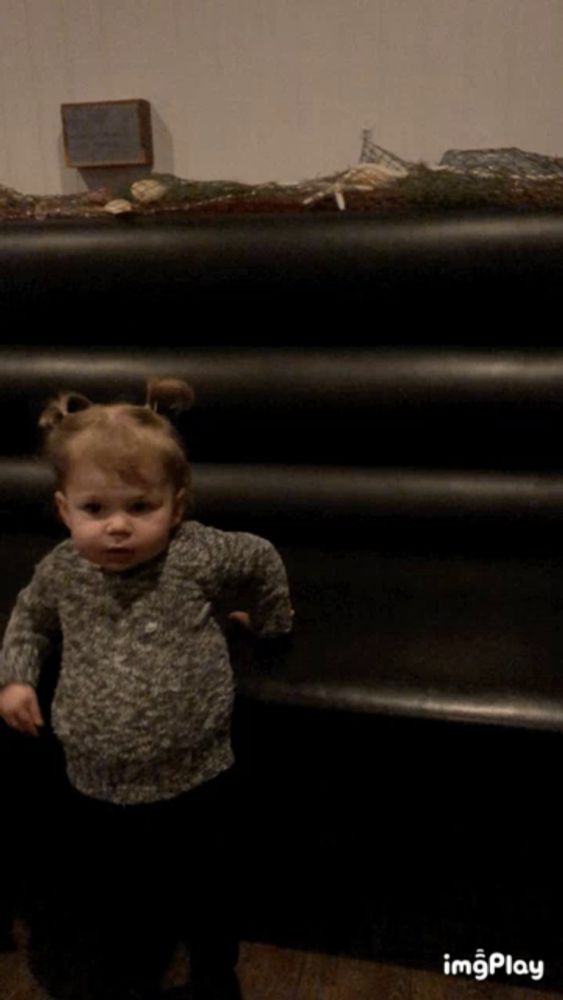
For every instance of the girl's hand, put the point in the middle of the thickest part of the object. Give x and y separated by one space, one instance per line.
240 616
244 618
20 709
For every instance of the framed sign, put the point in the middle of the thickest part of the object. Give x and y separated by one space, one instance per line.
107 134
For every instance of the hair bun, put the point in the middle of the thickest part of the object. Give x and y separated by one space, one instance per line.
169 396
59 408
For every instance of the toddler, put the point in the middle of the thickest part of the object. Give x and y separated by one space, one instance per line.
144 698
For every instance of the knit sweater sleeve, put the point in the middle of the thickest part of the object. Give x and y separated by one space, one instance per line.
32 629
250 576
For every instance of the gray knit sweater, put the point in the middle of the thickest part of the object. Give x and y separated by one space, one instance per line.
144 698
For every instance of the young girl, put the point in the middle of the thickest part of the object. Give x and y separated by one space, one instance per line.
143 702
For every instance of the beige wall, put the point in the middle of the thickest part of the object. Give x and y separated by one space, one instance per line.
281 89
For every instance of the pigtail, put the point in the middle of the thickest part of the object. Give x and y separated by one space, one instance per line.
169 397
61 407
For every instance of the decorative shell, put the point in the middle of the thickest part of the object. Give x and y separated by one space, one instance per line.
148 190
118 206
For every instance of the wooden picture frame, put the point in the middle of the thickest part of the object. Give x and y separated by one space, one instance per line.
107 134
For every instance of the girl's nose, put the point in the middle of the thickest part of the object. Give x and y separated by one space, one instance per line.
118 524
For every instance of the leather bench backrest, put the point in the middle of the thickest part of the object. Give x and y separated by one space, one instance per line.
443 279
413 482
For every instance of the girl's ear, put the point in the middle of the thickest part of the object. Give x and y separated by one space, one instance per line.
62 506
179 507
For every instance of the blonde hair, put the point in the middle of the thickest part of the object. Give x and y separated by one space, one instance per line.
120 437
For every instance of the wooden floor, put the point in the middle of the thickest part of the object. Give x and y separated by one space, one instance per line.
270 973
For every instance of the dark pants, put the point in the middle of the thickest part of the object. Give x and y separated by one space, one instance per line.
127 883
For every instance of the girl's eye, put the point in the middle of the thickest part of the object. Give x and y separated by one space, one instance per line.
140 507
92 508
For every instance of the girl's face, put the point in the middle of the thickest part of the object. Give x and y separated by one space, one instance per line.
117 524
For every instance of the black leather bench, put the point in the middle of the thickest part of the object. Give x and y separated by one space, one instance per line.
396 758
